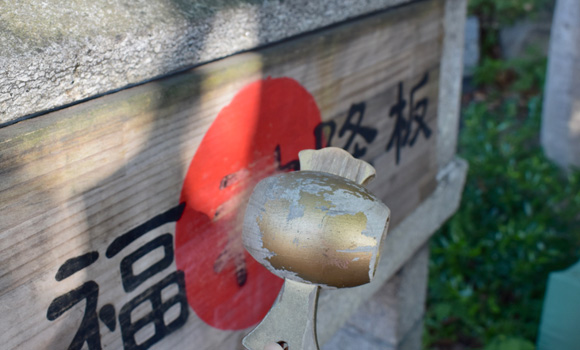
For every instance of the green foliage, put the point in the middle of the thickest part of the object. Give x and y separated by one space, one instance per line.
493 14
510 343
502 12
518 220
521 75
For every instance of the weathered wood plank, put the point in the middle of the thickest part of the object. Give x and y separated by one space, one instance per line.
74 181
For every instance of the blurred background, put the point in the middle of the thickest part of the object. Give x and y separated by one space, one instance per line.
519 219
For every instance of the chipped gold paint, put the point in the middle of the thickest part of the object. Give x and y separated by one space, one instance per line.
337 183
317 246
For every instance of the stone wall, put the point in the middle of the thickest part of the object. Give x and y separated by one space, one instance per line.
53 55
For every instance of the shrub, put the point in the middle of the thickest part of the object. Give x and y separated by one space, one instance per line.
518 220
493 14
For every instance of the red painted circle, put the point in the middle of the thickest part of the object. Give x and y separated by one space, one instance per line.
226 287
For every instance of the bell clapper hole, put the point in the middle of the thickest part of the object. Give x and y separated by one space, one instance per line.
280 345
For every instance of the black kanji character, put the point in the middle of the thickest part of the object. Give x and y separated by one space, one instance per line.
153 294
129 279
401 130
421 106
88 331
132 281
355 129
127 238
401 135
157 316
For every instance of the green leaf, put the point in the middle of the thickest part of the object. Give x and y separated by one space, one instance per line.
510 343
442 311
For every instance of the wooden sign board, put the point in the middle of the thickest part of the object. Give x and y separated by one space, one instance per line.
120 217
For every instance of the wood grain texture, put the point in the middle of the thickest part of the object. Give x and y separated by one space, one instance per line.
74 181
339 162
